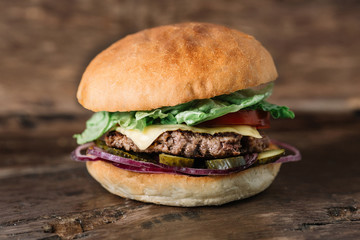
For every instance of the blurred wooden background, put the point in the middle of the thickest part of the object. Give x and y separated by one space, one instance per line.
45 46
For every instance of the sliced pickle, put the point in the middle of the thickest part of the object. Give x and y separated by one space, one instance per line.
225 163
270 156
134 156
100 143
175 161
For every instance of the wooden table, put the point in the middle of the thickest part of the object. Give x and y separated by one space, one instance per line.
46 195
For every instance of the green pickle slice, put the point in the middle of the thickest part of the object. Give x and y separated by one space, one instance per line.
270 156
175 161
134 156
225 163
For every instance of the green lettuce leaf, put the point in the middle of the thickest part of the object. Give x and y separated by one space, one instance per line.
275 110
96 126
190 113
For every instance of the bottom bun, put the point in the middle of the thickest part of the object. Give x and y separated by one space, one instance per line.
183 190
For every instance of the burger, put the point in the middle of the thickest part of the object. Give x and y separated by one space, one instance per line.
179 117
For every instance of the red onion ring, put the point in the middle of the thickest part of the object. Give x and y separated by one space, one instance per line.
250 160
101 154
142 169
94 154
136 167
78 156
98 152
288 158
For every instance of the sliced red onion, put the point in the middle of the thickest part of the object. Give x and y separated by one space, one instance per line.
162 168
94 153
288 158
78 156
98 152
249 158
142 169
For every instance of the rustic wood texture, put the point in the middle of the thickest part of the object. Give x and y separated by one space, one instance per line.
45 46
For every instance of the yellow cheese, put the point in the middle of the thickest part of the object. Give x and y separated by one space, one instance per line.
143 139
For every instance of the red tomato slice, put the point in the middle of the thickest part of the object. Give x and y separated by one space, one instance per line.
255 118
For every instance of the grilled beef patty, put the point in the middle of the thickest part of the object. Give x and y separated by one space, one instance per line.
194 145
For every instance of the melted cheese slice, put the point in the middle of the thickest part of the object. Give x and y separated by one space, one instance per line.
143 139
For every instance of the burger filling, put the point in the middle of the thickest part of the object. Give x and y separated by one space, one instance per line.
223 127
193 144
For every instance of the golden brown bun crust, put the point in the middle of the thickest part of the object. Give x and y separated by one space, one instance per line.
173 64
182 190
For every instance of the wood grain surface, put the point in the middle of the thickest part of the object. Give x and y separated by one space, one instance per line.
45 46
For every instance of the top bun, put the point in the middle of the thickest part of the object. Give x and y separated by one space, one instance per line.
174 64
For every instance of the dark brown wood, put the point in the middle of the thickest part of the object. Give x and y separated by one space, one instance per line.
43 194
